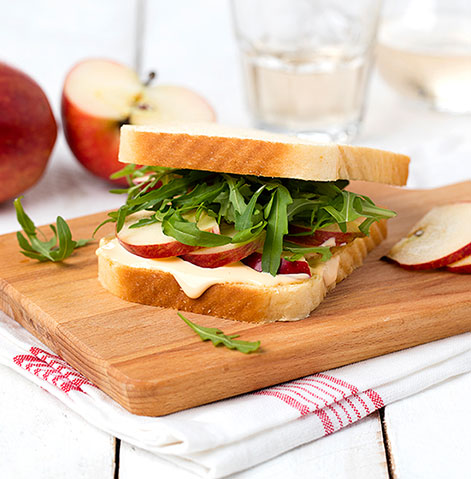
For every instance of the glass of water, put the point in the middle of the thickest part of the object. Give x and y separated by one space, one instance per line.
306 63
424 51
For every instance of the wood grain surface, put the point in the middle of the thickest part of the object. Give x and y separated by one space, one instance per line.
149 361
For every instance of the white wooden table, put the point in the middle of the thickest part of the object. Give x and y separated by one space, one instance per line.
424 436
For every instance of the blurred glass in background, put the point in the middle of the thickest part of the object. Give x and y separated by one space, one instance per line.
307 63
424 51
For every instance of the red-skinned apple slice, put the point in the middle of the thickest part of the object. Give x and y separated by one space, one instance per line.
323 235
461 266
151 242
100 95
222 255
440 238
254 261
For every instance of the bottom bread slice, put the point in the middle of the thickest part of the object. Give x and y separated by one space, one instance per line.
239 301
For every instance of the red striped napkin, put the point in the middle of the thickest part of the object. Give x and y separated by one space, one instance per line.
232 435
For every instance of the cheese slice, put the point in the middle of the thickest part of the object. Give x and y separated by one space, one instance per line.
330 270
194 280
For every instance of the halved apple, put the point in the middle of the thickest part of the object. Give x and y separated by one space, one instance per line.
101 95
151 242
461 266
222 255
331 233
254 261
440 238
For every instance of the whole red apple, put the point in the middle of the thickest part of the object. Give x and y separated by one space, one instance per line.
101 95
28 132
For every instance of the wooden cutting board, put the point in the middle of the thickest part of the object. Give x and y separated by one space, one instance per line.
149 361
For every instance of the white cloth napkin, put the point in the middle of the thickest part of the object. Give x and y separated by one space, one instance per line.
232 435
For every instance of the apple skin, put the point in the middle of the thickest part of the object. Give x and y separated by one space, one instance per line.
151 242
222 255
320 236
439 263
463 266
157 251
94 141
294 267
28 132
254 261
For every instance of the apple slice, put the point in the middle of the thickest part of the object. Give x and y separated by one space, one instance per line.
101 95
441 237
222 255
254 261
151 242
331 233
461 266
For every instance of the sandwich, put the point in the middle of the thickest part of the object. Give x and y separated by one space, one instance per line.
238 223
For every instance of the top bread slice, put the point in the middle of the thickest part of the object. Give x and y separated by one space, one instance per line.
213 147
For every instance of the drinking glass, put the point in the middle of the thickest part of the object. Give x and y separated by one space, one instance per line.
424 51
306 63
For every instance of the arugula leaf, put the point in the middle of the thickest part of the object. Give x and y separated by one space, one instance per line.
131 172
154 198
277 227
200 194
245 220
235 196
302 206
372 213
347 211
123 172
111 219
66 244
189 233
364 227
249 234
268 206
217 337
119 191
251 205
58 248
121 217
82 242
25 221
299 251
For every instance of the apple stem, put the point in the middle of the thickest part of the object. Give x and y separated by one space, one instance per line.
142 106
150 78
125 121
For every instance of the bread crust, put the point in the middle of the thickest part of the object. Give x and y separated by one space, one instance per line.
236 301
217 148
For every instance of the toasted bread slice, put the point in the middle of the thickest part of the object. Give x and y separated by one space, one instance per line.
237 301
213 147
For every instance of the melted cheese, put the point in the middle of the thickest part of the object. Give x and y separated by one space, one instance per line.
330 242
194 280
